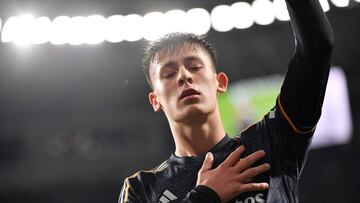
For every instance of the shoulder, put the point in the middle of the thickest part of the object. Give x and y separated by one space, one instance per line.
257 135
140 175
134 185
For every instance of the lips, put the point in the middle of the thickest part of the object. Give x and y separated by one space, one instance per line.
188 92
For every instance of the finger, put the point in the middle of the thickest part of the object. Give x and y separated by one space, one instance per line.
252 172
232 159
247 180
208 162
246 162
253 187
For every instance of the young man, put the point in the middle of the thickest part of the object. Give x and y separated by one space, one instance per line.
207 165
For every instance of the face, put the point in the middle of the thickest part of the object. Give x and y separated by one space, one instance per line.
185 83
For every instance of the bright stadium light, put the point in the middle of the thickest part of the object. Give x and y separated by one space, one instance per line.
242 15
9 29
41 30
264 12
199 21
340 3
77 29
59 32
133 27
325 5
221 18
281 12
154 25
24 29
176 21
115 28
95 28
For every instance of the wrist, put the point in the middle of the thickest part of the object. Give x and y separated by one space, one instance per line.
208 194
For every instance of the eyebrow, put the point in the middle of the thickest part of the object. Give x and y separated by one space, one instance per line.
192 58
172 64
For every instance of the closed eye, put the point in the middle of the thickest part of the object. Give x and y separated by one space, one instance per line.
168 70
193 63
168 75
194 68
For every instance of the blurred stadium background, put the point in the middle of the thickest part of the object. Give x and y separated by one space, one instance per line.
74 114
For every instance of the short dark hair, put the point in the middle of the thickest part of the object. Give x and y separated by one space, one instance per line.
171 42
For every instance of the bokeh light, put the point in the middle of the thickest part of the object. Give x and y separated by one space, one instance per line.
242 15
221 18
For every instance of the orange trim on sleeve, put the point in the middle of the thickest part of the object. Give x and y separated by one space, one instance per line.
289 120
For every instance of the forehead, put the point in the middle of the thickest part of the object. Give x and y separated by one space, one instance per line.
178 53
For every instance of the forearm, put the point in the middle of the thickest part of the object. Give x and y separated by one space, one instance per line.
312 30
304 86
201 194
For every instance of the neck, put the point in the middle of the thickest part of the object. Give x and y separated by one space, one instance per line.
197 136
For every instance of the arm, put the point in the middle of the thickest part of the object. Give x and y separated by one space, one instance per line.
200 194
221 184
303 90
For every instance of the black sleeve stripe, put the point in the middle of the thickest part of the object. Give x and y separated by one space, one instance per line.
292 125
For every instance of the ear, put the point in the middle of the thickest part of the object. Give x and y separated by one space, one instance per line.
223 81
154 101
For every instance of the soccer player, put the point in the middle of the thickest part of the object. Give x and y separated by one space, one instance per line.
264 162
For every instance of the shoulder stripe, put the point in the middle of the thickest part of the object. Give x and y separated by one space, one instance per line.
124 195
161 167
295 129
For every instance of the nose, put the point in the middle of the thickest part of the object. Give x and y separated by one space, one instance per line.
184 76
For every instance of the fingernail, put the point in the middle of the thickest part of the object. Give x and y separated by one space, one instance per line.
267 166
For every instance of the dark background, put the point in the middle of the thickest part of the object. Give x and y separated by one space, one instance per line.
75 120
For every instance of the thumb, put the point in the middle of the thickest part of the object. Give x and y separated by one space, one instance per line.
208 162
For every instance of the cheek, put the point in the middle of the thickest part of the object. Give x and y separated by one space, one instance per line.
166 93
211 82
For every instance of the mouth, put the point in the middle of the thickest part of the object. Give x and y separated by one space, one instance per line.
188 92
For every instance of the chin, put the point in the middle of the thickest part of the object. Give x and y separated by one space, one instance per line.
193 113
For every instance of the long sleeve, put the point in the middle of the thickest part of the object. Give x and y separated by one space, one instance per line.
201 194
132 192
303 90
